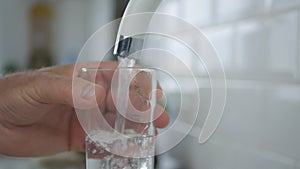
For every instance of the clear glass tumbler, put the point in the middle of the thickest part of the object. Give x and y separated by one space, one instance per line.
120 133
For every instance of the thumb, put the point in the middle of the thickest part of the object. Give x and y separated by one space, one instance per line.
86 94
75 92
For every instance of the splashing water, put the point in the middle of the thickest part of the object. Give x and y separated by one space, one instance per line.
101 143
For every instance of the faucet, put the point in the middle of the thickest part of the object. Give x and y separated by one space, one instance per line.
125 44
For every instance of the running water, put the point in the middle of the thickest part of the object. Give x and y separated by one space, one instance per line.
135 150
123 92
126 62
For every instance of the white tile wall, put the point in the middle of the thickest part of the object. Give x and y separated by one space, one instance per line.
268 47
251 47
283 4
283 41
258 43
252 40
202 9
236 9
222 39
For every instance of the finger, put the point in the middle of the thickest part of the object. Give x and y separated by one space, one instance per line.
70 70
110 103
161 116
110 118
75 92
76 135
160 122
163 120
159 92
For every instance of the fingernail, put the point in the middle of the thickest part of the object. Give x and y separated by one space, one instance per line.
88 92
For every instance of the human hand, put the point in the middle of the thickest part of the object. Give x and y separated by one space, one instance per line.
37 116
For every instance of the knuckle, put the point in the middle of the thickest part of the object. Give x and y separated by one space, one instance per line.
44 84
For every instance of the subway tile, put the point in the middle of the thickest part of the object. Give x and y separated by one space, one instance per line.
251 41
197 12
283 4
173 55
283 44
225 10
267 48
222 39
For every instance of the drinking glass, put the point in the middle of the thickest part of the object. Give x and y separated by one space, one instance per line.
120 132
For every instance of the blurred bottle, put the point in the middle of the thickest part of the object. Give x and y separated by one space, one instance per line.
40 37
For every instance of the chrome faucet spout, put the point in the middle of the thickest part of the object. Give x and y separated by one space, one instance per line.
126 44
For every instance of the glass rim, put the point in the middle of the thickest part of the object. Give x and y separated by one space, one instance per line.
104 68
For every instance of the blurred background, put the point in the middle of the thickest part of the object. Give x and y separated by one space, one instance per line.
37 33
258 42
